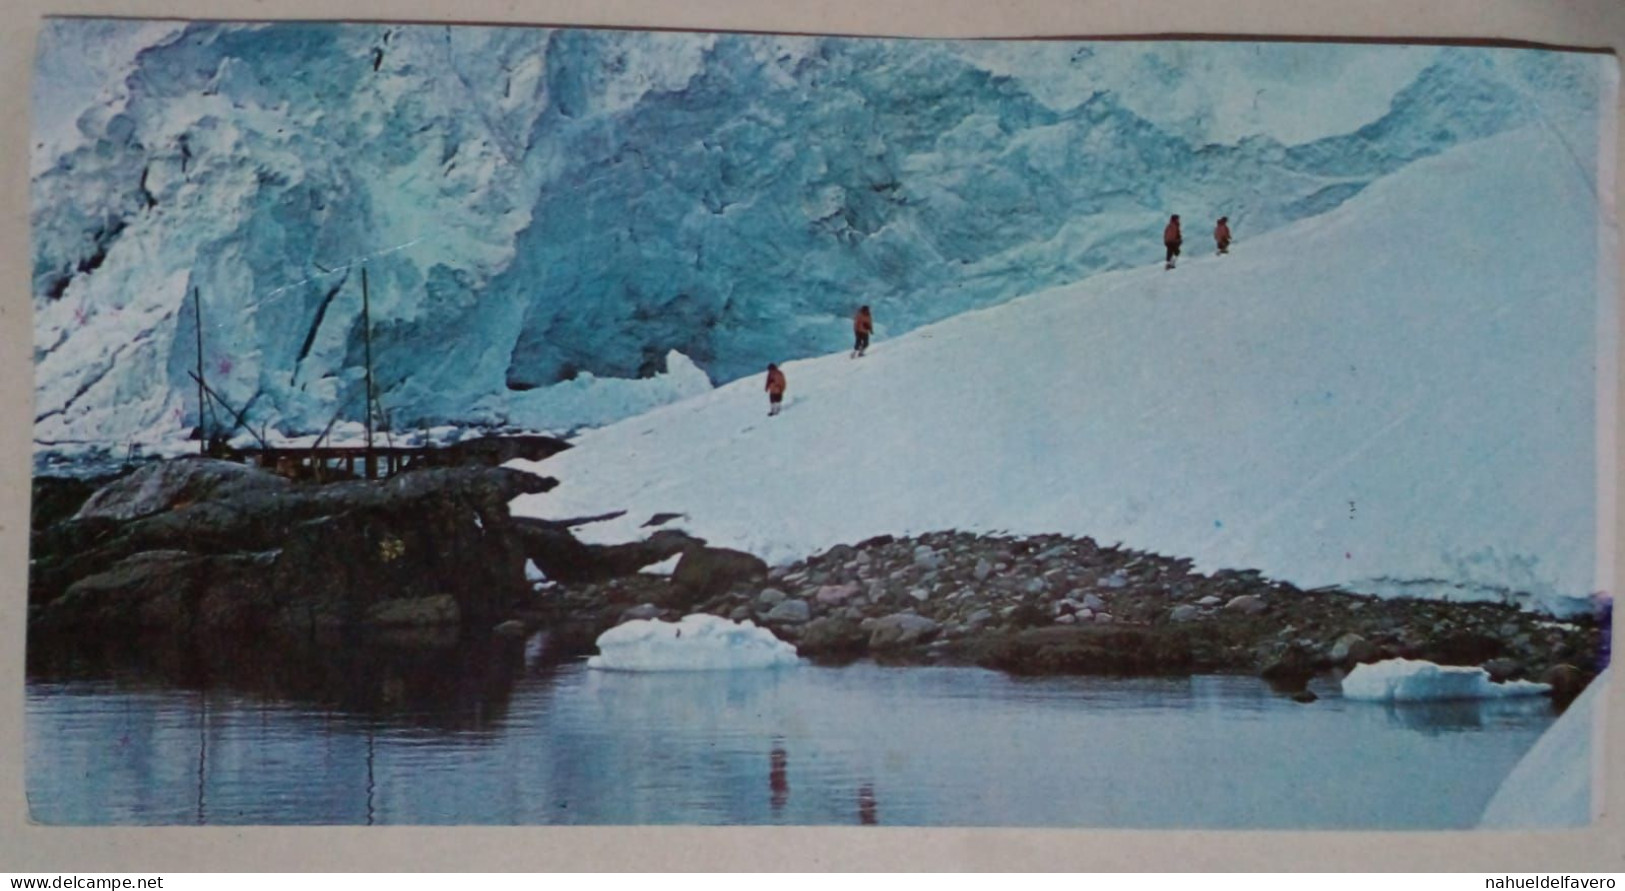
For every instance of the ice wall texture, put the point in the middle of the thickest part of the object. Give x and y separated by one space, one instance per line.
540 210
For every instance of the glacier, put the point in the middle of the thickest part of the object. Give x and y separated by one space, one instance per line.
1398 396
562 228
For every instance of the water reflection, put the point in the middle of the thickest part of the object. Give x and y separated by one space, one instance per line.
430 679
868 812
778 776
500 732
1465 715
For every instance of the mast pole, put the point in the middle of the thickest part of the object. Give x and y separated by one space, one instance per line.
202 406
366 334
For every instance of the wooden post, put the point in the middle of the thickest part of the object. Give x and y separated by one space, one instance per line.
366 335
241 421
202 426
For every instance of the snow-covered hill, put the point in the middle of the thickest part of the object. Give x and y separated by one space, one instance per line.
543 210
1399 396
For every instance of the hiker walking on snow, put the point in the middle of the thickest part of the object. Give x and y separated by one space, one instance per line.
863 325
775 389
1171 240
1221 235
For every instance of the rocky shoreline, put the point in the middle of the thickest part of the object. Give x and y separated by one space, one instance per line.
1053 604
197 547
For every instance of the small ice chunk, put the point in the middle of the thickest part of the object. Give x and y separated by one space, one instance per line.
664 567
1413 680
696 643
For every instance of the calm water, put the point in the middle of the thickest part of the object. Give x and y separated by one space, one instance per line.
499 735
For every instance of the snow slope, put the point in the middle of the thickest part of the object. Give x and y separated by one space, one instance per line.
538 206
1551 785
1397 396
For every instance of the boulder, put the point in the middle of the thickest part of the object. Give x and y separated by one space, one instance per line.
1350 649
1291 671
1184 613
1247 604
1210 600
983 570
510 628
833 594
832 636
165 485
900 630
705 571
925 557
770 597
1566 682
1094 602
790 612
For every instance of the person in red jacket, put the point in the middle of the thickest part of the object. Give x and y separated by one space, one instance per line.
863 325
775 389
1221 235
1171 240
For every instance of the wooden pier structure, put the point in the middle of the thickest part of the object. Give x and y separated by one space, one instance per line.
322 462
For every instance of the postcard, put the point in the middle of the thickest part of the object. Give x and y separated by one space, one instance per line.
499 425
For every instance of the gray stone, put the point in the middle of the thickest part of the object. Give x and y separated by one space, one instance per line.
1104 619
983 570
1035 586
1066 619
740 613
790 612
1184 613
510 628
771 597
921 594
1115 580
978 618
1210 600
169 484
1085 615
1352 648
900 630
831 594
927 558
1247 604
1094 602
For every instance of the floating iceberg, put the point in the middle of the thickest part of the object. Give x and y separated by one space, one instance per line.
697 643
1407 680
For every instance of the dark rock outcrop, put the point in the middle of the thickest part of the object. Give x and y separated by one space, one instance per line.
197 544
705 572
